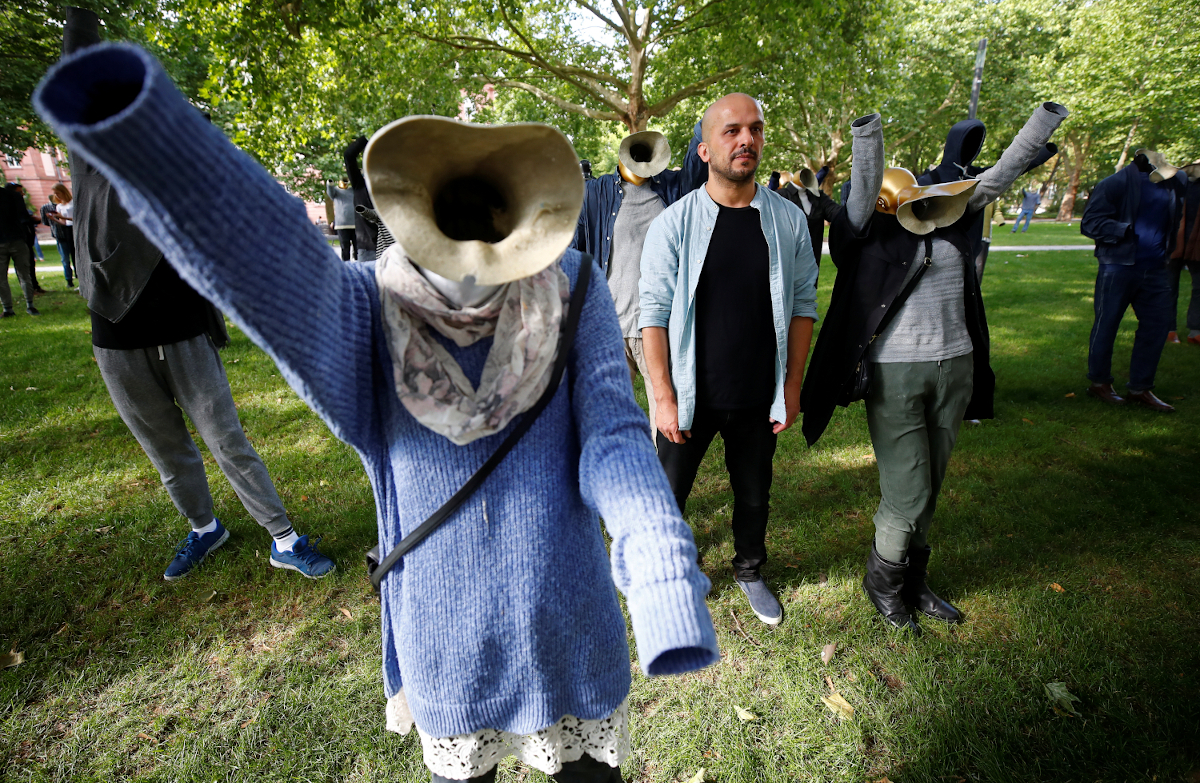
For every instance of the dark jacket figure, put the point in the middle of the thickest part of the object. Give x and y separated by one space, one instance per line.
1112 210
821 210
871 272
364 230
1133 244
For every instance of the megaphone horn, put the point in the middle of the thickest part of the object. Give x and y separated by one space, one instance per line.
497 203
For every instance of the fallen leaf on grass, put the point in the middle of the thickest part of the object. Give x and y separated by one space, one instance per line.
698 777
346 612
828 651
147 737
1027 421
838 705
1069 394
62 630
11 659
822 579
1056 587
246 723
322 482
211 596
1177 398
1061 698
745 716
102 530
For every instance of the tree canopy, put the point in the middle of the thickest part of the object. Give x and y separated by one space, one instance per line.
294 81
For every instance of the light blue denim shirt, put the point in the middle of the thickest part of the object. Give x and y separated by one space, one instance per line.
673 258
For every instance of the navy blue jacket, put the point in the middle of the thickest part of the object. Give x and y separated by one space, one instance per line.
1112 210
602 200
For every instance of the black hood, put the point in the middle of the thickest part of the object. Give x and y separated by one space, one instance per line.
963 143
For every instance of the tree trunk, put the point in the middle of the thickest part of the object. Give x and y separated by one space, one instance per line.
1079 148
1125 149
1048 181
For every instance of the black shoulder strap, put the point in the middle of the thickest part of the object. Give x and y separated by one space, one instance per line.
908 289
565 341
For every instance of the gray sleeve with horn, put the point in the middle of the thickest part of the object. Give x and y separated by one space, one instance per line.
1028 143
866 169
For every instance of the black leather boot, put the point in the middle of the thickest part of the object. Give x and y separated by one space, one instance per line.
918 595
882 585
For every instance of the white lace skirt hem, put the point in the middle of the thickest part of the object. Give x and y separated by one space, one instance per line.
470 755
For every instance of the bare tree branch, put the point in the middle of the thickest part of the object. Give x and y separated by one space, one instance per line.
559 102
596 13
665 105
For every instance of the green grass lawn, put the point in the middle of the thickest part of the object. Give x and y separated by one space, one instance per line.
1068 533
1040 233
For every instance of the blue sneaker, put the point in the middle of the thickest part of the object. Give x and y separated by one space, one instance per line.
762 601
304 558
193 550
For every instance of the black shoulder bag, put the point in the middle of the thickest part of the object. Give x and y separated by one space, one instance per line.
859 384
377 569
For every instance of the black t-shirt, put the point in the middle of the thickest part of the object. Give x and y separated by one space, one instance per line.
735 329
167 311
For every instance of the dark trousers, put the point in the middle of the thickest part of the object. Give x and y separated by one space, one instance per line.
1174 271
1145 286
749 451
586 770
346 239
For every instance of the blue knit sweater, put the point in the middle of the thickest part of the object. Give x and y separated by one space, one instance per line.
506 617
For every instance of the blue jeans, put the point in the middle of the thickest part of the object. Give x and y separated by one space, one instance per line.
1146 287
66 249
1024 213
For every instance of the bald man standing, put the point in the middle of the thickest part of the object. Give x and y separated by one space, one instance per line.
728 302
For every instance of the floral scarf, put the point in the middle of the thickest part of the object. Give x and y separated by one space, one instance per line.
524 316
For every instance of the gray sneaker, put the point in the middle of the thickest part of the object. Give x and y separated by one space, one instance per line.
762 601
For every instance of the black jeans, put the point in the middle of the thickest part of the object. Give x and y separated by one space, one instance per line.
749 451
347 241
586 770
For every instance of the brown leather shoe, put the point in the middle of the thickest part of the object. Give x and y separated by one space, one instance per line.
1148 399
1104 392
1172 337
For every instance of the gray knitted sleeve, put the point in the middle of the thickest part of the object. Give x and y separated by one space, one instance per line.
1024 148
866 170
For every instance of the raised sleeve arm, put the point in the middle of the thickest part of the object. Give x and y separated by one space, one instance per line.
866 169
350 157
182 182
653 555
1025 148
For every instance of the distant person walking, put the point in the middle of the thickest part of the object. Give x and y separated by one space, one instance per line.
1029 204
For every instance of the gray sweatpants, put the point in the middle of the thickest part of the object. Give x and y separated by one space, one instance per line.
17 252
149 386
914 410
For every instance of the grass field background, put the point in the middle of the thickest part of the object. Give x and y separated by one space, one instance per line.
1068 532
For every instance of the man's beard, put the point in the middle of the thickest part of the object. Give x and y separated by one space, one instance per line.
728 172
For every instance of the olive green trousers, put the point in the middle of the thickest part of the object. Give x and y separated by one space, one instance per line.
913 411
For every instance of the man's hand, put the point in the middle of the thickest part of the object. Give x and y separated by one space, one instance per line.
791 404
666 418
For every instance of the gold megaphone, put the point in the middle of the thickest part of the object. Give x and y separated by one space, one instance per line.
1162 169
644 154
494 202
923 208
